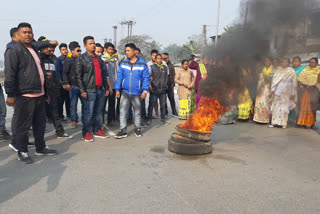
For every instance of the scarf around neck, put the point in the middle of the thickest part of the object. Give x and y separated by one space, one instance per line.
159 66
267 71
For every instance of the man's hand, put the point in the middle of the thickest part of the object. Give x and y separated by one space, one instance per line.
48 100
11 101
186 85
143 95
84 95
118 94
150 89
107 93
49 75
67 87
54 42
110 91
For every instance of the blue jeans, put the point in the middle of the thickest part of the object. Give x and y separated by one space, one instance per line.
3 110
126 101
92 110
74 96
162 97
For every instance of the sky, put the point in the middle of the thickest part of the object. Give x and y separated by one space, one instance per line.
166 21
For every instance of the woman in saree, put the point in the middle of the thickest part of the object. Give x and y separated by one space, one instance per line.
297 67
283 94
309 85
185 79
245 101
262 105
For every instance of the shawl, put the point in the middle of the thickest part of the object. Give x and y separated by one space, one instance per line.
309 76
203 69
299 69
267 71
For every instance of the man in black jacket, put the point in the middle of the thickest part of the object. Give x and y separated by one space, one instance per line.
91 77
68 75
24 85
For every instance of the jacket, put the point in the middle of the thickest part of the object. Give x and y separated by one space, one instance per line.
59 66
159 79
85 73
195 66
21 72
112 70
172 73
54 84
69 71
133 78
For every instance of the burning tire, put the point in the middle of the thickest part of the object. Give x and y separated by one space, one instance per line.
190 149
180 139
200 136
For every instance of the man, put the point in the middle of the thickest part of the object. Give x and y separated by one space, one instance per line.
171 84
92 80
154 53
69 76
54 88
24 85
4 135
133 79
159 80
59 69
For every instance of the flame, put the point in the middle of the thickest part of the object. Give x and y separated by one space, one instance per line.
207 113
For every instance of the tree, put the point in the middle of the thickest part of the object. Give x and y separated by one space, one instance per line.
178 53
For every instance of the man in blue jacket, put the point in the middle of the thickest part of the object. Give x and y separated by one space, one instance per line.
133 79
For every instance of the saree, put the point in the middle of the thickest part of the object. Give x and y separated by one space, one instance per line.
245 101
184 108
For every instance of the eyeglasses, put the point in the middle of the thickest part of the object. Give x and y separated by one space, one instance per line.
79 51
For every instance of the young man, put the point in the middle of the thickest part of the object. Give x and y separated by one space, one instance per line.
54 88
133 79
24 85
154 53
171 84
69 77
59 69
159 81
91 76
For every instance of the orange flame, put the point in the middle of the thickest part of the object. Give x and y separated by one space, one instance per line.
207 113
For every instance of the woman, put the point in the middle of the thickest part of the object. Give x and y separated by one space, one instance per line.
262 106
310 86
245 101
185 79
284 93
297 67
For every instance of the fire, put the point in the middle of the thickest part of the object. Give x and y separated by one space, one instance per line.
207 113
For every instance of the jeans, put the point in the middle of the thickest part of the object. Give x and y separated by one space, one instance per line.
65 99
126 100
162 97
28 111
92 110
56 118
74 96
111 107
3 110
170 93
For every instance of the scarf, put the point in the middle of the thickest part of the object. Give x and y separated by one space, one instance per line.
309 76
267 71
299 69
111 57
203 69
159 66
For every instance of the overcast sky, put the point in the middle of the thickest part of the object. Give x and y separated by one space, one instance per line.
166 21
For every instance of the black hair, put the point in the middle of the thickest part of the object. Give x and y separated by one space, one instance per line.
158 55
138 49
166 54
73 45
99 45
24 24
41 38
183 61
115 51
63 45
13 31
154 51
131 45
286 58
315 59
85 39
108 44
296 57
269 58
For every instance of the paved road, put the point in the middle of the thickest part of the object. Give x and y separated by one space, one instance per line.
253 169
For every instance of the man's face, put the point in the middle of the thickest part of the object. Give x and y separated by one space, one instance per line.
25 35
76 52
64 51
109 50
165 58
90 46
153 57
159 60
137 53
47 51
52 49
130 52
99 51
15 37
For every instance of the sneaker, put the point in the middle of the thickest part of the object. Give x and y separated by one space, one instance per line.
270 126
121 134
13 148
175 115
148 122
4 135
64 119
284 127
24 157
163 120
155 117
138 132
63 135
74 125
87 137
46 151
100 134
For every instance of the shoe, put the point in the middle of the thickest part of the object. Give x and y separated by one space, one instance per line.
46 151
74 124
121 134
64 119
155 117
100 134
148 122
63 135
163 121
138 132
175 115
166 117
270 126
87 137
13 148
4 135
24 157
284 127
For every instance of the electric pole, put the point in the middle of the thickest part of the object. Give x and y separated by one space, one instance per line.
217 26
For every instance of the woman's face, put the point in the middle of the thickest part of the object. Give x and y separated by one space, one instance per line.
284 63
276 62
267 62
296 63
313 63
185 65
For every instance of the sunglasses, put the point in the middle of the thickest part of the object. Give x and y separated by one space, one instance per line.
78 51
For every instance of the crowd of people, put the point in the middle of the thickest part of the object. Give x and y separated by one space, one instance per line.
38 85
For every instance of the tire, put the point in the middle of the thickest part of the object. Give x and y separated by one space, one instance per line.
185 140
189 149
205 137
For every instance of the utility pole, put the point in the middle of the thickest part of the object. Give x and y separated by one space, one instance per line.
130 24
204 34
115 35
218 20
